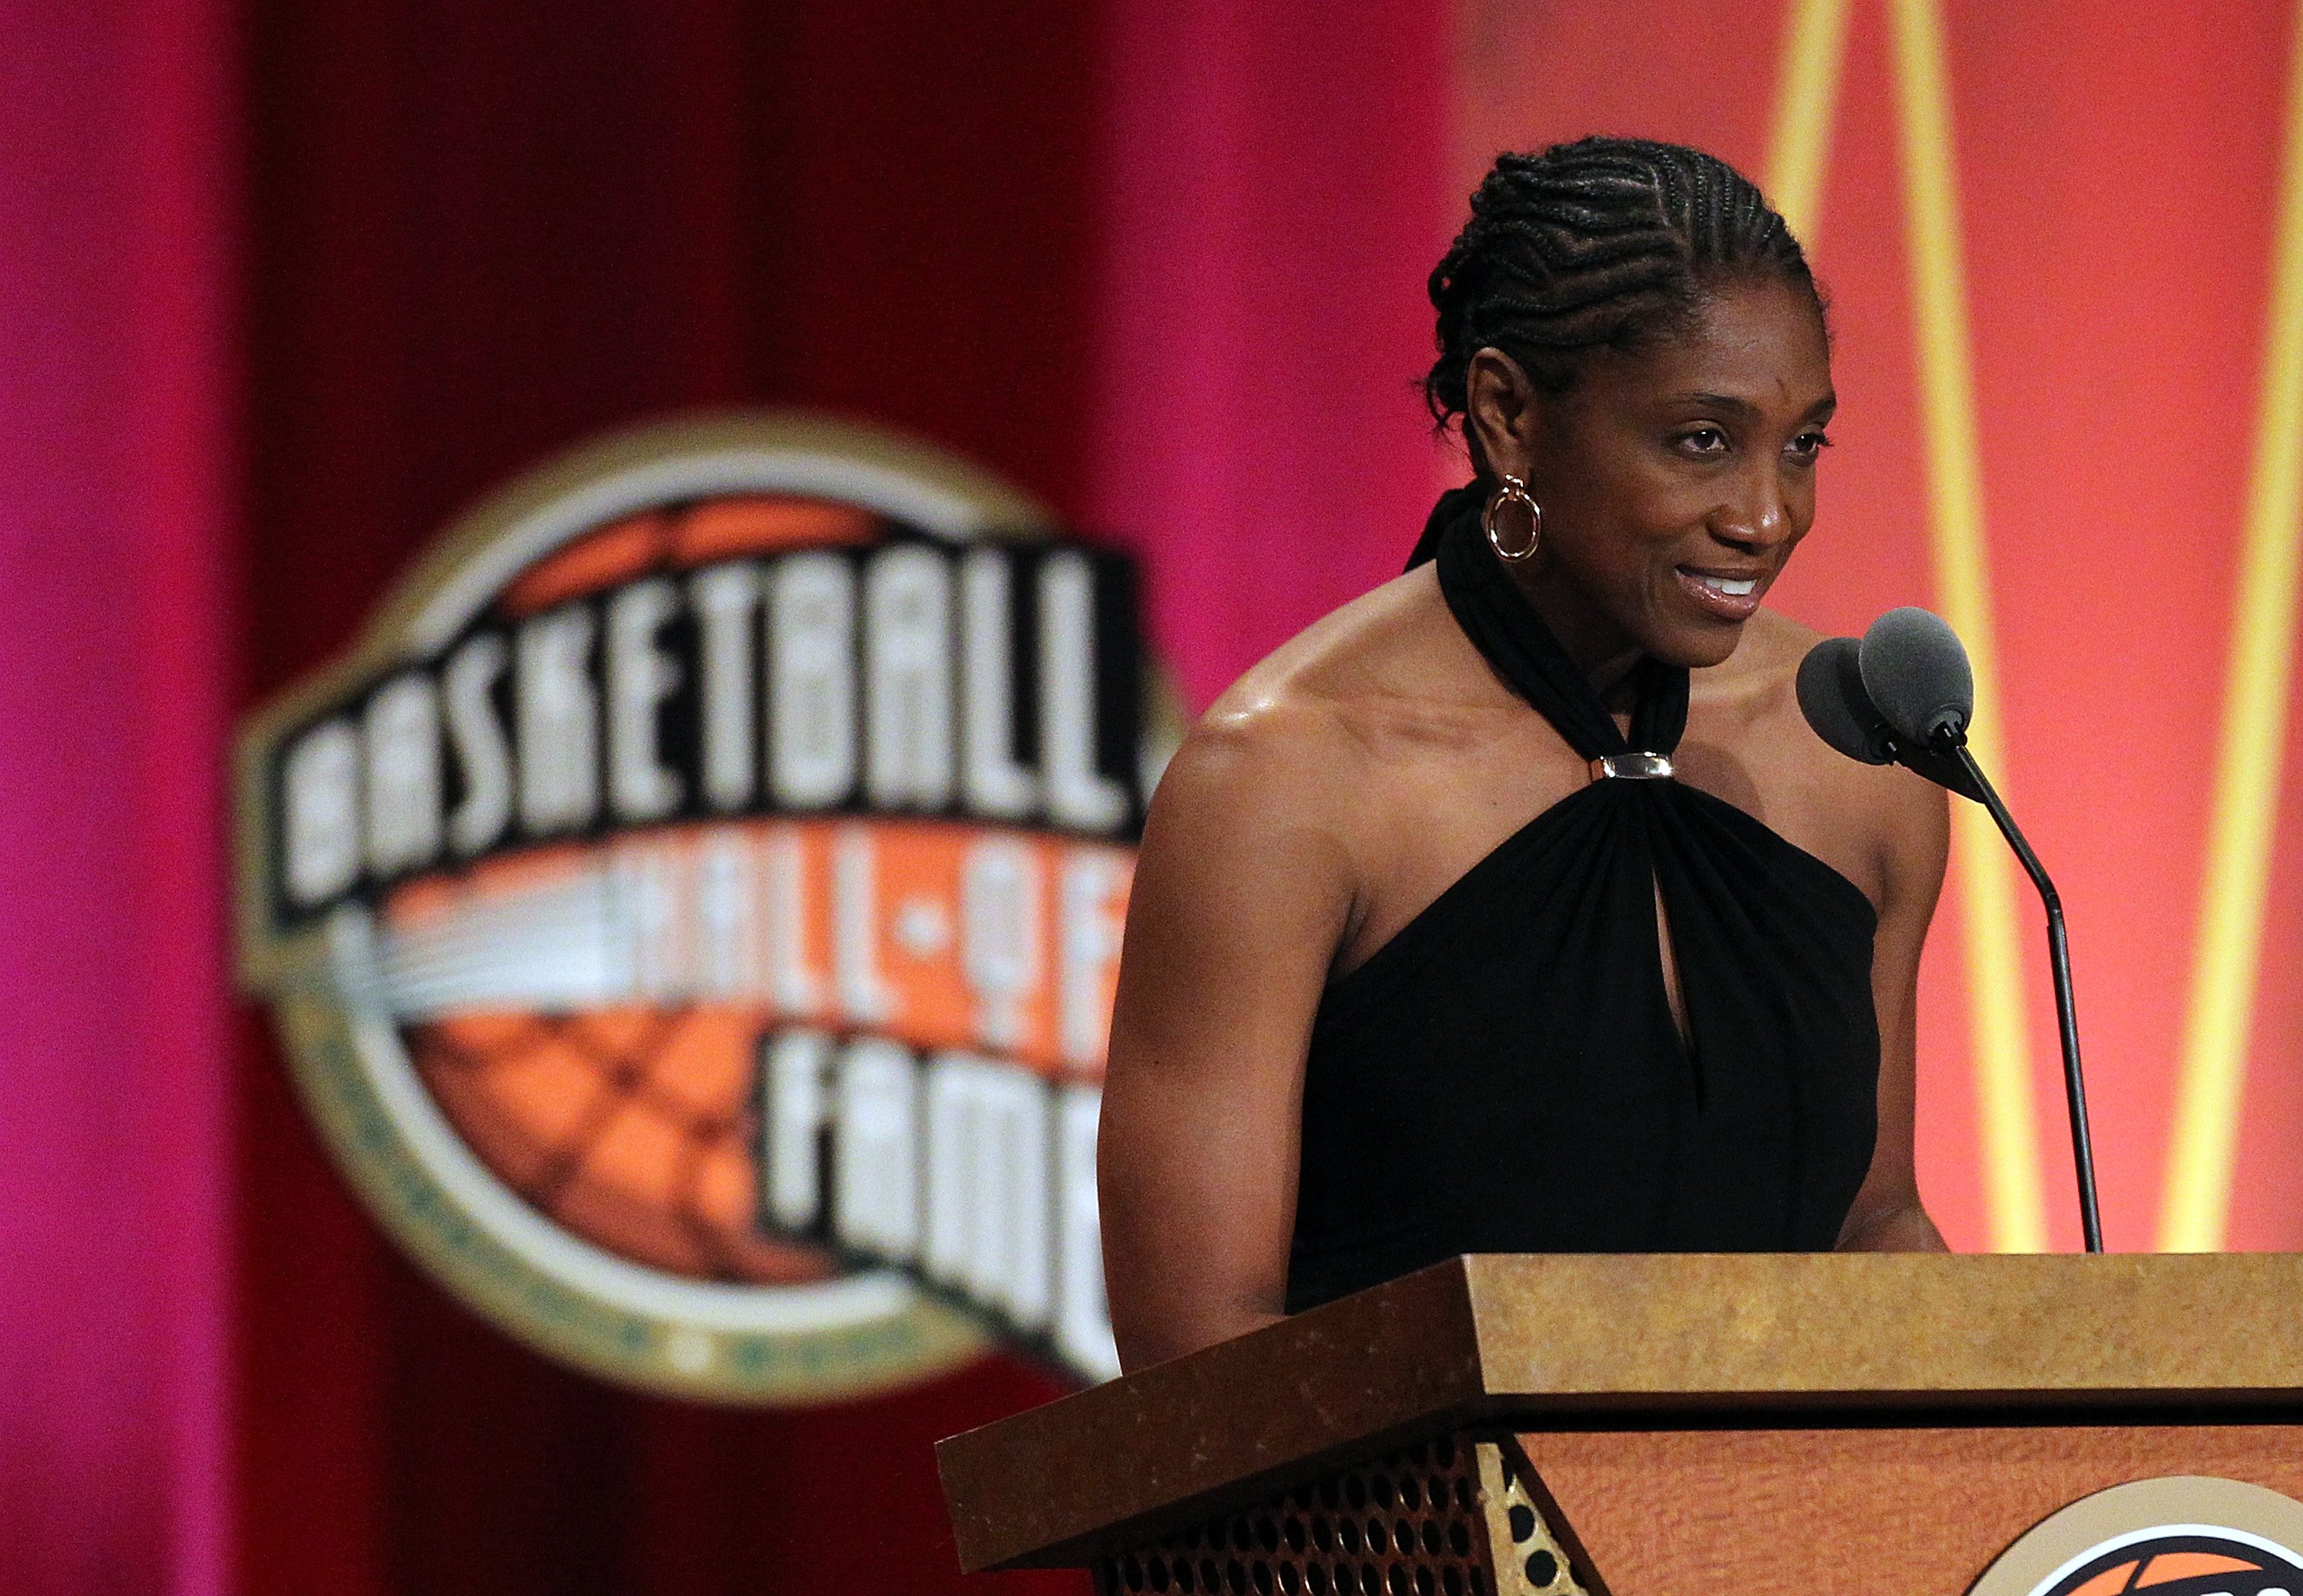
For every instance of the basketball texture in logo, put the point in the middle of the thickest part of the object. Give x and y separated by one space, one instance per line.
2181 1535
2185 1565
693 909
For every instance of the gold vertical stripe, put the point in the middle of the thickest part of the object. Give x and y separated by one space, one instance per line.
1806 96
2196 1204
1994 964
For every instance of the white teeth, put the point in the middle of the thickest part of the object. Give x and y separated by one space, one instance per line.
1734 588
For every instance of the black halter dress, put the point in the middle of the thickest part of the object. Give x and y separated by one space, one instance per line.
1504 1075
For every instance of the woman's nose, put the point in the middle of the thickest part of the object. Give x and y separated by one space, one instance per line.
1758 517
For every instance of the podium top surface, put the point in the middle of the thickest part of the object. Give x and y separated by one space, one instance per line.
1611 1339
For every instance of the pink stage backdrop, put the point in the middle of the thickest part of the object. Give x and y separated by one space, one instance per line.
114 227
2051 249
1275 194
2099 205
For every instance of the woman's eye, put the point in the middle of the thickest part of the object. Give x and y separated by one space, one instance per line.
1704 440
1808 445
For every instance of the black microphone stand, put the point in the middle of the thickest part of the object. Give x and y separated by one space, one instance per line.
1952 742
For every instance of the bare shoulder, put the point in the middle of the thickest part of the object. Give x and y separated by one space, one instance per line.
1883 826
1266 824
1355 689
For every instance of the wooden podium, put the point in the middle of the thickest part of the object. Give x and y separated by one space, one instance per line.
1654 1425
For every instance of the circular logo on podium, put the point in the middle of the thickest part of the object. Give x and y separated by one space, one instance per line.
692 910
2184 1535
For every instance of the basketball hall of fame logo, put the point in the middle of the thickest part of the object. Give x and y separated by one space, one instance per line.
692 910
2183 1535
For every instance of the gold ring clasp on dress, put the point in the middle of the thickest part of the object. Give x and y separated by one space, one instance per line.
1631 767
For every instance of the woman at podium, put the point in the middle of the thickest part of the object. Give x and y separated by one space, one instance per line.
1514 906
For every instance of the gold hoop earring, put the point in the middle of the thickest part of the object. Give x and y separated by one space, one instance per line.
1513 491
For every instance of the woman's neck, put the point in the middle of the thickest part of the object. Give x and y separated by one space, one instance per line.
1600 650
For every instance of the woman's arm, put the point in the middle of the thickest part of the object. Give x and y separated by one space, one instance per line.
1241 898
1887 1216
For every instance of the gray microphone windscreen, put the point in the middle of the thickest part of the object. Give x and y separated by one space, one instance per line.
1914 668
1831 696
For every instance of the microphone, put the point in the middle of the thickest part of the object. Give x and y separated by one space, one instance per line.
1915 671
1832 697
1906 693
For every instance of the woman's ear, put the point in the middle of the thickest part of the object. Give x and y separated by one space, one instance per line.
1501 413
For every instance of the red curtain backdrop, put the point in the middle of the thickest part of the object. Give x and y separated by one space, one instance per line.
1158 265
114 382
480 232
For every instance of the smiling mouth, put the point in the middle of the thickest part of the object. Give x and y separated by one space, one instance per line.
1728 597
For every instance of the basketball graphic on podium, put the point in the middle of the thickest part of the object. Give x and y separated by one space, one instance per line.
2182 1565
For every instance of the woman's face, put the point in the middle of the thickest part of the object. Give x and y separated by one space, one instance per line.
1674 480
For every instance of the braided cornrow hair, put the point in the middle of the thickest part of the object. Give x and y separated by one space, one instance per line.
1601 243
